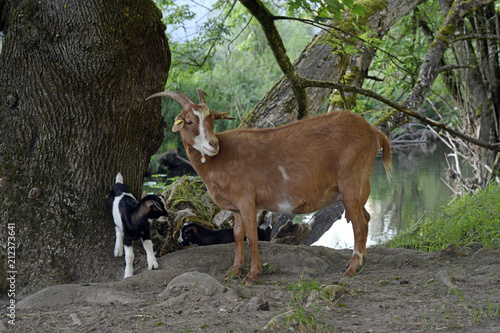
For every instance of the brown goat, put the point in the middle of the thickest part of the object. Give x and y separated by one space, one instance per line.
298 168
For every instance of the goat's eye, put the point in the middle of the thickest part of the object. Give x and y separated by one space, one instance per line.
189 122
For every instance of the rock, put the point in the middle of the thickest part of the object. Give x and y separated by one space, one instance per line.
193 280
383 283
195 287
329 292
257 303
447 279
312 298
223 219
292 233
76 320
276 221
64 295
335 291
277 321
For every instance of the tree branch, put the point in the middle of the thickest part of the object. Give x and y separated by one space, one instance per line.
427 75
266 20
430 65
452 67
400 108
475 36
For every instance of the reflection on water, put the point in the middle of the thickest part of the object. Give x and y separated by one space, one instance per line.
416 188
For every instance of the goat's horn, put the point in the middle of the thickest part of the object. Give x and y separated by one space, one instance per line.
177 96
202 94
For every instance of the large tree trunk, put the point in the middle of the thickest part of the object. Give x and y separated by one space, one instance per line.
73 79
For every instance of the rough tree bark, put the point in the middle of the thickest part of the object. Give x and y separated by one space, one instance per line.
73 78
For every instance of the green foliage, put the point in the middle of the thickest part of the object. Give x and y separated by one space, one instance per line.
325 10
187 191
307 318
174 14
238 72
302 289
474 218
398 61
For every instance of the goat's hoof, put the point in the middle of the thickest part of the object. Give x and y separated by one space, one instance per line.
350 272
251 279
153 266
232 274
353 265
118 253
128 273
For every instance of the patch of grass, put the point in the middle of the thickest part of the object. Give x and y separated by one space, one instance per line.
190 192
306 317
470 219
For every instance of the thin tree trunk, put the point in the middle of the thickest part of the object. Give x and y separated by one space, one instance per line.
73 79
475 89
430 65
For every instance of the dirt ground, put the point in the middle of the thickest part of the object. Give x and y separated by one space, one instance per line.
397 291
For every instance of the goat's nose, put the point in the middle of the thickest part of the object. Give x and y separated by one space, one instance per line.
214 144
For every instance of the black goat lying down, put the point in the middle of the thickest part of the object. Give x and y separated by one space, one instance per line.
133 221
192 233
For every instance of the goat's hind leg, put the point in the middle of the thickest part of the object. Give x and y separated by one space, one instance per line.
129 261
359 217
360 228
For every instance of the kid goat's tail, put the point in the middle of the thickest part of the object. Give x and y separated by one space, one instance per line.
119 178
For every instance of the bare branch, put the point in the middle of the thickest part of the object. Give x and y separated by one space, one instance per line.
452 67
430 65
475 36
400 108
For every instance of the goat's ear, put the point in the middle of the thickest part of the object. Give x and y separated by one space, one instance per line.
178 124
153 205
221 115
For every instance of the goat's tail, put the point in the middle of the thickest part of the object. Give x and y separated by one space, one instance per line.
119 178
386 155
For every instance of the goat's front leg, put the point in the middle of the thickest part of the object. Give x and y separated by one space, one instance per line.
148 247
250 223
239 240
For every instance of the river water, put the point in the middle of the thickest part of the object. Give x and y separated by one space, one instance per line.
417 188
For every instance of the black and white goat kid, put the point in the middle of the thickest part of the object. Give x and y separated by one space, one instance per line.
133 221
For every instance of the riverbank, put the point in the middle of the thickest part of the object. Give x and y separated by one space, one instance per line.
398 290
455 287
467 221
